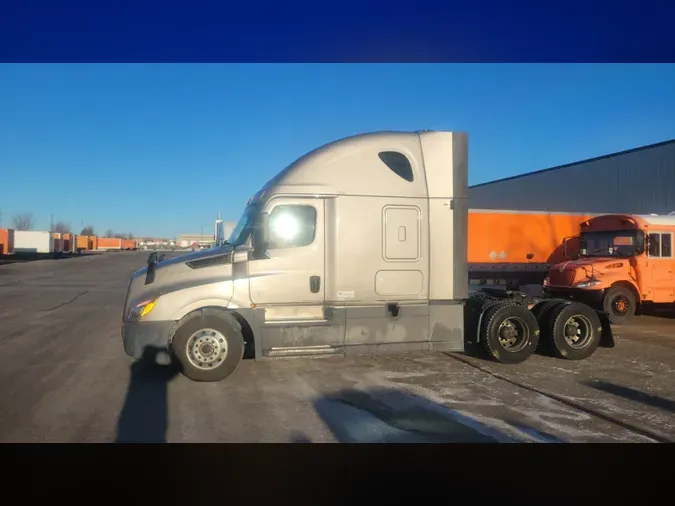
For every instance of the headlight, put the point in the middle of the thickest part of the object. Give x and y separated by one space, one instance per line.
143 308
587 284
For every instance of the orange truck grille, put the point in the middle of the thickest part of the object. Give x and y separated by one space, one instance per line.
564 278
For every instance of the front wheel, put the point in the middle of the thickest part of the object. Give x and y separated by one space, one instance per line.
619 303
509 333
209 346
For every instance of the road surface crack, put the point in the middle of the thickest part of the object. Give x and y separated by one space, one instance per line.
68 301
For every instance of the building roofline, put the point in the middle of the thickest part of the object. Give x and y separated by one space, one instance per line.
558 167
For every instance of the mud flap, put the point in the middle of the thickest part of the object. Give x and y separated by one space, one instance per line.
607 340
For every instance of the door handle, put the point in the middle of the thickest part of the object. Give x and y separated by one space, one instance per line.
314 284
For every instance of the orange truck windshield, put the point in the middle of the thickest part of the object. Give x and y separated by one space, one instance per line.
619 243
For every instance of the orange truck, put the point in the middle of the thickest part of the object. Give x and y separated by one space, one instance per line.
624 262
516 248
6 241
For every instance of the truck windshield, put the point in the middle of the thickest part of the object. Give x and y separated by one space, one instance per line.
244 226
620 243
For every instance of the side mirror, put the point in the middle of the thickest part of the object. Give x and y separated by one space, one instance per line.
152 258
161 257
260 237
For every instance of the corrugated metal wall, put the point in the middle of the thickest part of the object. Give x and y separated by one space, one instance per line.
640 181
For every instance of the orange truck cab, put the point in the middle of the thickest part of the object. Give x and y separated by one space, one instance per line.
624 262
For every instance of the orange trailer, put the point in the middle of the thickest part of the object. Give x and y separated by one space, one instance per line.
6 241
58 242
107 243
128 244
515 248
93 242
82 243
70 243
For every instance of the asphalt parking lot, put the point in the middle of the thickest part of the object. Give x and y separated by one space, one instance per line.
66 378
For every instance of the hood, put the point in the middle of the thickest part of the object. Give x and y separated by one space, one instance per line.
184 271
575 271
595 263
216 252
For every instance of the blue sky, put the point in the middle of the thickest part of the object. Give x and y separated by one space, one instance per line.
160 149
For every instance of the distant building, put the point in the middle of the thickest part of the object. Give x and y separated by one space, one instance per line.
637 181
187 240
221 231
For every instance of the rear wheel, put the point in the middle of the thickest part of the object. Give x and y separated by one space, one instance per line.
575 331
509 333
209 346
542 309
544 312
619 303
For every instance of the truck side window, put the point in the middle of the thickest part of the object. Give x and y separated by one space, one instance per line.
654 245
666 245
398 163
292 226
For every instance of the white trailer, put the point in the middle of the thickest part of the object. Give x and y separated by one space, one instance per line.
33 241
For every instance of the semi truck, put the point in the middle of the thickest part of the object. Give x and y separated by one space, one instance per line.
359 246
624 263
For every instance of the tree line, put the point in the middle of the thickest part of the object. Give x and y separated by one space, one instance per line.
26 221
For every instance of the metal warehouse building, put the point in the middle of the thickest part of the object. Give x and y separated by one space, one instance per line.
639 181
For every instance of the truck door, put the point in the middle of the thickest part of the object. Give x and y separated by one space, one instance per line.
661 266
291 281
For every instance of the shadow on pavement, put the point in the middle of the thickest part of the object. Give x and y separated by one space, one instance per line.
633 395
393 416
664 311
144 416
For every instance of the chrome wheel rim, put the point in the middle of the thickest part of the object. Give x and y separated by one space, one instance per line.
513 334
578 331
206 349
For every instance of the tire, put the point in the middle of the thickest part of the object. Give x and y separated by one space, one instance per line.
620 304
209 346
507 318
544 313
576 331
542 308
